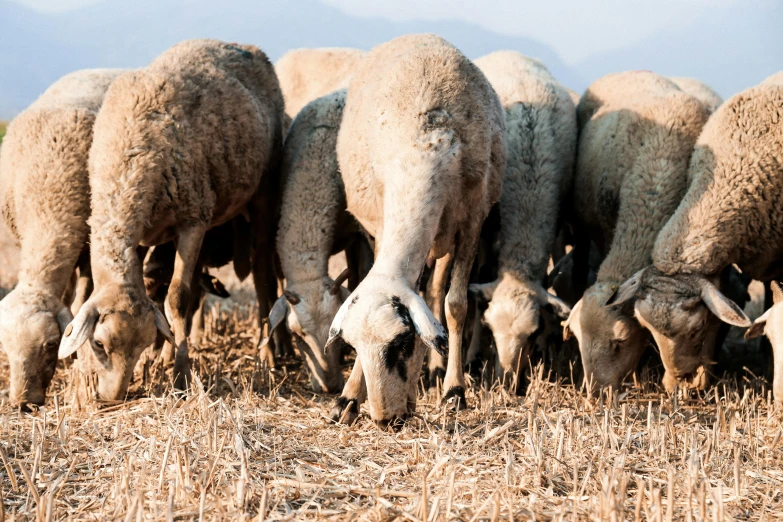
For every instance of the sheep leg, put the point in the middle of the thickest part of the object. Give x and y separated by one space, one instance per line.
83 287
198 298
457 311
346 407
436 367
178 299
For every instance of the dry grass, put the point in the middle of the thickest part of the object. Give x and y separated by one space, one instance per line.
249 443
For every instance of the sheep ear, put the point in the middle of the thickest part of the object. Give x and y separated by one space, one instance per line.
429 329
565 263
335 330
78 331
568 332
627 291
483 292
724 308
163 325
64 318
278 313
757 328
559 307
777 293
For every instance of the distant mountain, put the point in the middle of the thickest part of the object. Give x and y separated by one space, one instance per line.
731 48
36 49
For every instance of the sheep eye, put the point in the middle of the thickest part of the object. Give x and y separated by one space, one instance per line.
99 344
51 345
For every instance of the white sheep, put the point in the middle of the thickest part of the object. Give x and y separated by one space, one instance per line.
541 133
45 194
422 150
307 74
178 148
313 224
638 132
730 215
775 79
699 90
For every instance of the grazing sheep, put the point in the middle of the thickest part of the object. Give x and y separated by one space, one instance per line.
178 148
307 74
45 193
699 90
630 176
770 324
730 215
422 150
313 224
541 135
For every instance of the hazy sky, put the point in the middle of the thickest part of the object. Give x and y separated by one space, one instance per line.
574 28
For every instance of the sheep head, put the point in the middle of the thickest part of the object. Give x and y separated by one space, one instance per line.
514 309
382 320
611 341
111 331
308 309
770 323
682 311
31 324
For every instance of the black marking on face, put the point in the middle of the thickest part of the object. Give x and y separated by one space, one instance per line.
353 301
402 311
397 353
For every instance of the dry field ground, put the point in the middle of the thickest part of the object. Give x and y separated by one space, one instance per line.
246 443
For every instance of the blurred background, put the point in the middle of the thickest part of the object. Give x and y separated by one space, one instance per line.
729 44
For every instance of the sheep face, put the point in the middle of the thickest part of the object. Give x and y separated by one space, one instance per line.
111 331
383 320
771 324
31 324
514 314
611 342
311 308
682 312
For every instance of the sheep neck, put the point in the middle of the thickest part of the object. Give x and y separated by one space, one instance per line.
47 262
409 229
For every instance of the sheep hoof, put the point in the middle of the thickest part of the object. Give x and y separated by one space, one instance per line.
435 376
455 398
345 411
182 373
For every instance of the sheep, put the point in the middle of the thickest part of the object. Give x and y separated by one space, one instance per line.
638 133
45 195
769 324
698 90
541 135
729 215
178 148
313 224
421 149
307 74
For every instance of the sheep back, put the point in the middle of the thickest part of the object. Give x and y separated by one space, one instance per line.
730 213
313 192
541 134
44 182
184 141
632 164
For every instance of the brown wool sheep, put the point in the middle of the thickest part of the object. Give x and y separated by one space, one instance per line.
541 135
699 90
422 150
307 74
45 196
178 148
638 133
728 216
314 224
